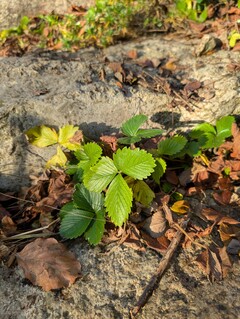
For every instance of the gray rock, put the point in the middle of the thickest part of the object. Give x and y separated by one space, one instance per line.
65 88
61 88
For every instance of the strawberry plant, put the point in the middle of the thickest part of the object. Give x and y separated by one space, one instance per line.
109 186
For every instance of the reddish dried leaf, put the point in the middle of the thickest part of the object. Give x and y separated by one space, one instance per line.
145 63
227 232
8 225
159 244
155 225
193 86
224 197
171 177
133 239
210 264
49 264
236 141
236 47
217 217
116 67
132 54
111 141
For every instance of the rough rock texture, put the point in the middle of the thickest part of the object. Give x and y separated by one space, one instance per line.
11 11
62 88
65 88
111 284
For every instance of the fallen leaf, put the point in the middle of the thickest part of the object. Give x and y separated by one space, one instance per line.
223 197
160 244
217 217
210 264
48 264
180 207
132 54
155 225
227 232
233 247
192 86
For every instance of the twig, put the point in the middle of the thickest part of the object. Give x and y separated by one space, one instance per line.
158 274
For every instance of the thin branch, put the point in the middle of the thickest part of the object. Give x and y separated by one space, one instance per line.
151 286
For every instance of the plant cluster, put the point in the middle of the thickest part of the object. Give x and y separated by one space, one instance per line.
106 22
108 186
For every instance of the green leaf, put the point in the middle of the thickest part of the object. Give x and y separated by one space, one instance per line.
129 140
201 129
99 176
142 193
59 159
159 170
95 232
136 163
75 223
42 136
206 140
86 200
148 133
118 200
88 155
193 149
224 126
131 126
171 145
66 209
65 134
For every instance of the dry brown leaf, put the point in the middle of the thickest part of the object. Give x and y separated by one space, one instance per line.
132 54
217 217
49 264
155 225
227 232
223 197
192 86
159 244
133 239
116 67
210 264
171 177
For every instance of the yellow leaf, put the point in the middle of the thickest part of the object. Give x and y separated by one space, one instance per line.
42 136
59 159
66 133
180 207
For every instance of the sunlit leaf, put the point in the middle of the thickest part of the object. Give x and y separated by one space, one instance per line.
171 145
59 159
159 170
86 200
131 126
148 133
65 134
136 163
42 136
100 175
88 155
201 129
118 200
224 126
180 207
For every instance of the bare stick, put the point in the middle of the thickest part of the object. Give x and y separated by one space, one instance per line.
158 274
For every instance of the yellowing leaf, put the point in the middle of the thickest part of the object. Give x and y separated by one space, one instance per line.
180 207
142 193
66 133
42 136
59 159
